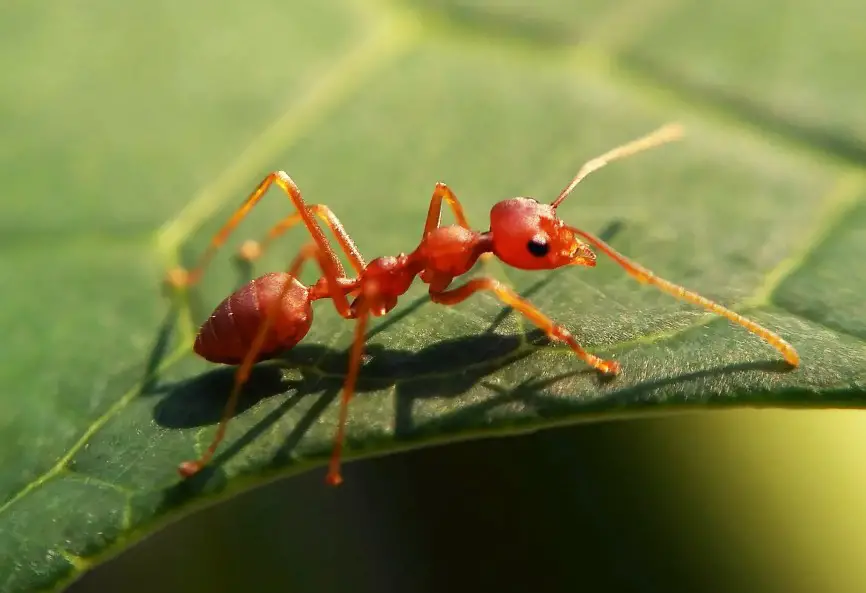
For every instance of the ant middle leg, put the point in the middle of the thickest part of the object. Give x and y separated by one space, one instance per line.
434 214
530 311
252 249
180 277
334 478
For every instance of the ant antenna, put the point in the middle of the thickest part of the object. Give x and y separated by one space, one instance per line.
664 134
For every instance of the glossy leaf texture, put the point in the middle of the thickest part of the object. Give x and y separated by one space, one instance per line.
133 131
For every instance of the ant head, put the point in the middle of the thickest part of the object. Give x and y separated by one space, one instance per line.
528 235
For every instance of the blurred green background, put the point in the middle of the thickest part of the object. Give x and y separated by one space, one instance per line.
745 501
131 128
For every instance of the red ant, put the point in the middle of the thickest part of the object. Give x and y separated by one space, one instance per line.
274 312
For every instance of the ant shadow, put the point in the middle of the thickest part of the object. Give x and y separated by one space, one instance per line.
200 401
414 376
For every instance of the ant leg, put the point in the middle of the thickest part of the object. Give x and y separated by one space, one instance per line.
179 277
643 275
434 213
530 311
663 135
189 468
251 250
334 478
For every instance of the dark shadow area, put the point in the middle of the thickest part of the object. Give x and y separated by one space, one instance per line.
211 478
144 377
398 315
634 396
613 228
753 112
532 394
160 349
190 296
199 401
492 25
767 366
429 373
245 271
385 366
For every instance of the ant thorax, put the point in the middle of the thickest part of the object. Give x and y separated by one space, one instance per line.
450 251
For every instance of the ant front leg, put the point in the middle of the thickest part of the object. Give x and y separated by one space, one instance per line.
644 276
530 311
252 249
180 277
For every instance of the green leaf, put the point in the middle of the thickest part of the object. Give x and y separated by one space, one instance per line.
139 131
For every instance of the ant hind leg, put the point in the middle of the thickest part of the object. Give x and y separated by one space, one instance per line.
180 277
189 468
252 249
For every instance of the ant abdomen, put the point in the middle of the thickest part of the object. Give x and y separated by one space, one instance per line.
228 334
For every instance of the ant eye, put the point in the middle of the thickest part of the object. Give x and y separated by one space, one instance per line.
538 248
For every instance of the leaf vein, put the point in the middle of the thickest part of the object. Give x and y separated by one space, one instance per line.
838 202
93 481
61 465
348 73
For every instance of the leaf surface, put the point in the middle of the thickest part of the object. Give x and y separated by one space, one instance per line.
140 132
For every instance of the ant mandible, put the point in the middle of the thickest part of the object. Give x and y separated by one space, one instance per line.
273 312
